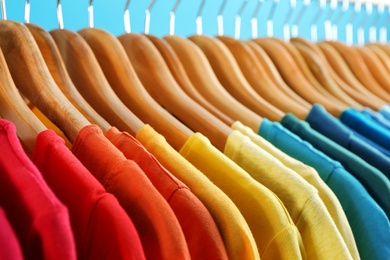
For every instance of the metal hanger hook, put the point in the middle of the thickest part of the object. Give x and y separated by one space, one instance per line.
270 22
126 17
90 14
237 29
27 11
172 18
286 25
220 18
147 16
198 21
3 10
294 28
254 22
60 18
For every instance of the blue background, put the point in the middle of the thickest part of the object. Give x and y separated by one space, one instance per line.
109 15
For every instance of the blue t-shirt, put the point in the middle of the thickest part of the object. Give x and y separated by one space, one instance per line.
368 221
377 117
375 182
385 111
366 127
329 126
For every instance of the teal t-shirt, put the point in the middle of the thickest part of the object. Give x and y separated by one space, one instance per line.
375 182
368 221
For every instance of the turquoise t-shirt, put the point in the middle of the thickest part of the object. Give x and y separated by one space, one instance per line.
377 117
323 122
376 183
368 221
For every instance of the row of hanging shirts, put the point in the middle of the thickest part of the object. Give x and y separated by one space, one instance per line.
148 87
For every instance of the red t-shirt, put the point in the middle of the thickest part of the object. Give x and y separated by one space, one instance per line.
203 238
9 244
101 227
38 218
157 226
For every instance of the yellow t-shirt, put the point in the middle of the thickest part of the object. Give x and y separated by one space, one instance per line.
311 176
320 236
275 234
237 236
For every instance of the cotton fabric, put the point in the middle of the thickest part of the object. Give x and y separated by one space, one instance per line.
235 232
274 231
326 124
39 219
330 200
201 233
9 244
372 179
368 221
157 226
102 229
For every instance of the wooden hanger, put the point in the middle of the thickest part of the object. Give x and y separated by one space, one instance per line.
307 72
381 54
359 68
320 71
58 71
90 81
344 72
14 109
293 76
229 74
157 79
352 92
261 56
203 78
123 79
33 78
384 47
259 79
180 75
376 67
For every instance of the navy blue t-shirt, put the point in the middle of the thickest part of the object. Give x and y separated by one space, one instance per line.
324 123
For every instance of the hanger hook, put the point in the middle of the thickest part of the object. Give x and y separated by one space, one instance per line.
254 22
199 25
372 28
147 16
270 22
90 14
383 29
361 31
328 18
220 18
351 21
27 11
237 29
126 17
172 18
294 28
60 18
344 9
3 10
313 27
286 25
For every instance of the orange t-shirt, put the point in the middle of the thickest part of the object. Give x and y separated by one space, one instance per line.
203 238
157 225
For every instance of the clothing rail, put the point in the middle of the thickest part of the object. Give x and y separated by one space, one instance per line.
109 15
